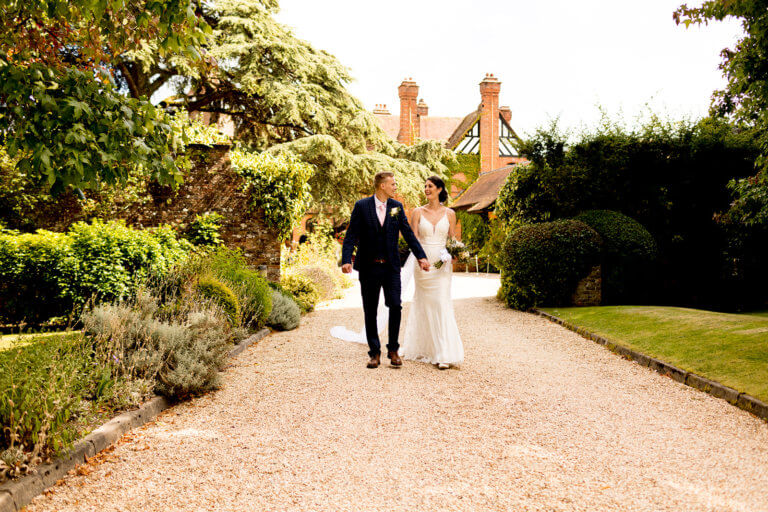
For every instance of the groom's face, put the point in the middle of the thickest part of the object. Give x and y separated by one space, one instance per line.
389 187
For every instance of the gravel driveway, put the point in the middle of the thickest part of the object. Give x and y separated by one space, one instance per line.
536 418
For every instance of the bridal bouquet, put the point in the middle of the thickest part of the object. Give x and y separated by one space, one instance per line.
453 249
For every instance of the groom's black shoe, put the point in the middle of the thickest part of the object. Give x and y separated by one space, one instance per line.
394 359
375 361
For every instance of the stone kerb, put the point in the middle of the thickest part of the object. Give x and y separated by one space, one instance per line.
212 186
730 395
16 494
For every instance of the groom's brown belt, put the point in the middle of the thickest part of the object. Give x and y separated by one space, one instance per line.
380 260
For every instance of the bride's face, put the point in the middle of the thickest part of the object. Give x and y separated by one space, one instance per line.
431 190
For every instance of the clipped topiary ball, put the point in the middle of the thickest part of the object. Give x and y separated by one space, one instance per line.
629 256
542 263
221 295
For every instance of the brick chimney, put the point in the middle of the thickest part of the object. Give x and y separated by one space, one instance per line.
506 113
422 109
489 123
381 109
409 121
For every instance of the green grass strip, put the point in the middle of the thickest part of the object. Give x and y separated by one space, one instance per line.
729 348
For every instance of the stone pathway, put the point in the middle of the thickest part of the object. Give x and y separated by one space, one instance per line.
537 418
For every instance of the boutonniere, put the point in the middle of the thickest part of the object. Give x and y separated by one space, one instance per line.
394 212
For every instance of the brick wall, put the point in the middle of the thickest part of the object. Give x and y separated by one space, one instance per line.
212 186
589 290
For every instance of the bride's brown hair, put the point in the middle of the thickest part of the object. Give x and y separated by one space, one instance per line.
436 181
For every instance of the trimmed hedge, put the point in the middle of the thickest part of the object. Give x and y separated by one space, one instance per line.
221 295
629 254
542 263
46 274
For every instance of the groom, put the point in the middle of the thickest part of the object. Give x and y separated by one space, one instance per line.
374 227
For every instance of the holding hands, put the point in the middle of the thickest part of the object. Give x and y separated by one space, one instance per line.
424 264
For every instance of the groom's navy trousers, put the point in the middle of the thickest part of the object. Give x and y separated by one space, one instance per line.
378 262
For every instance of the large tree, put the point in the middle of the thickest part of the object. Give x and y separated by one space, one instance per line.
284 95
60 111
745 97
275 86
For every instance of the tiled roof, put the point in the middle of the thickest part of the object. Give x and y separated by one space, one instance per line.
484 191
432 127
438 128
461 129
390 124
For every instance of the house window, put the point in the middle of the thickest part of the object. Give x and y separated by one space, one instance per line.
470 144
508 139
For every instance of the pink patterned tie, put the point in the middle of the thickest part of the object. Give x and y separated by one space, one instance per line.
381 211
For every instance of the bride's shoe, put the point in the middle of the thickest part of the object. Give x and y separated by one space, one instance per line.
443 366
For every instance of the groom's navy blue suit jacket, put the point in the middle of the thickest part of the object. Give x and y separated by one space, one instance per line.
364 231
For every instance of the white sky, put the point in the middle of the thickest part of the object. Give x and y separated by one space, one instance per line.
553 57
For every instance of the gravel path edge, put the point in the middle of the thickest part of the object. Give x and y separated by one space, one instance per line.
714 388
15 495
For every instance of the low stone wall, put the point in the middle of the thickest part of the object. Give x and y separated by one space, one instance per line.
212 186
589 290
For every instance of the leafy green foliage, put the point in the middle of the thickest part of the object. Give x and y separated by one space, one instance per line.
629 255
59 107
745 97
47 274
285 314
94 32
669 176
342 177
278 184
542 263
220 294
204 230
71 129
303 290
253 292
463 171
474 230
275 86
41 386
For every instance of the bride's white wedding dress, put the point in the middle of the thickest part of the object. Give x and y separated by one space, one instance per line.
431 333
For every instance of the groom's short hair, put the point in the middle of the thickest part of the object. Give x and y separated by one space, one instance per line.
380 177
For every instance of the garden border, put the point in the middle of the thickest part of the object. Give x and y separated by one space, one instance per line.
730 395
15 495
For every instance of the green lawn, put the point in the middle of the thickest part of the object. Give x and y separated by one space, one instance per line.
10 340
758 313
729 348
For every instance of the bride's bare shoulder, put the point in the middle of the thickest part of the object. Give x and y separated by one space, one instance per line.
450 212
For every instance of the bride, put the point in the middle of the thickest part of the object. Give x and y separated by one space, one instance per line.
431 333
